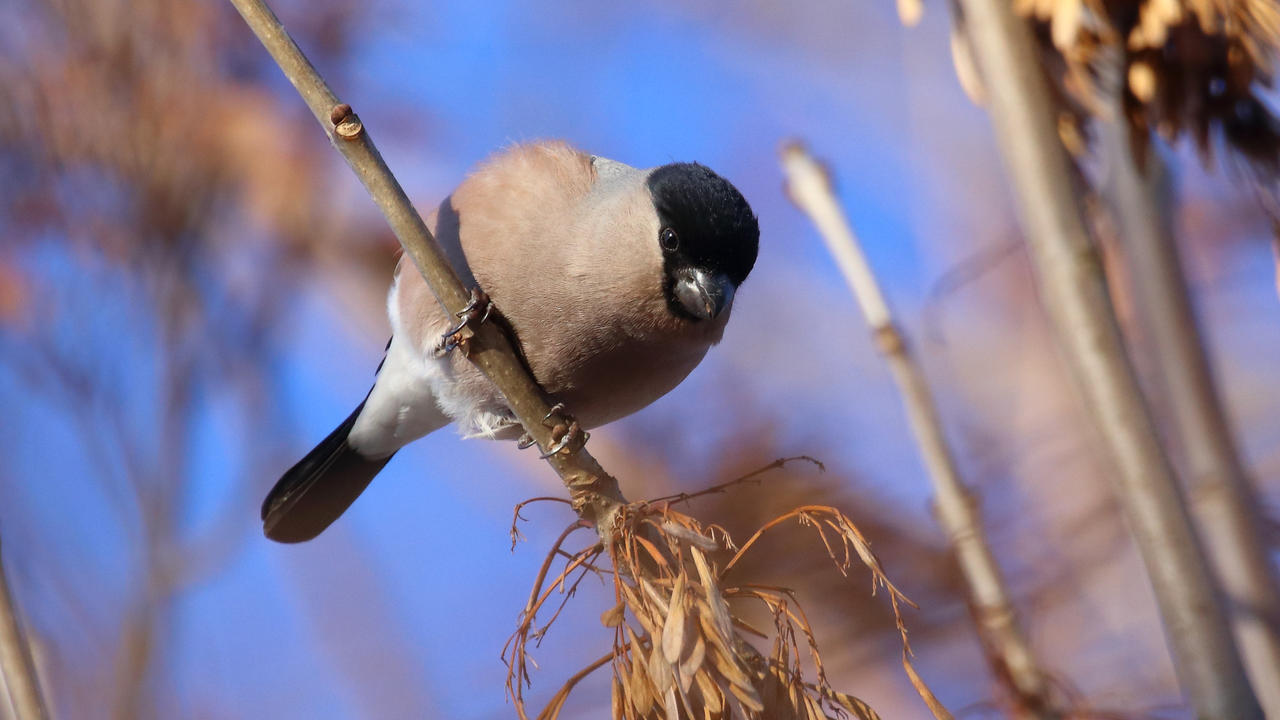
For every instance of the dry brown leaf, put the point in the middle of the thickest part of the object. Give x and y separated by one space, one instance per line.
719 653
691 537
855 707
812 707
660 671
639 686
613 616
711 694
616 699
719 610
671 704
660 603
773 692
673 630
693 663
747 697
653 551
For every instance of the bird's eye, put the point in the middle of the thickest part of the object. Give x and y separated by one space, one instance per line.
669 240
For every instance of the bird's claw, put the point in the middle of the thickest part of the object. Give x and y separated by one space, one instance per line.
558 407
569 432
478 299
476 312
573 434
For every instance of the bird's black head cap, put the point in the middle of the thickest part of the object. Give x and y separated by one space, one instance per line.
705 221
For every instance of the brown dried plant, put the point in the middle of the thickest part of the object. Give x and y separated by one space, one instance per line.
1189 68
679 649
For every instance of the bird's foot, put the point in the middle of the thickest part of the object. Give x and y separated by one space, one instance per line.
476 312
566 432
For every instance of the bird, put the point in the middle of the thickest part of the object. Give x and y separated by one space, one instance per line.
614 281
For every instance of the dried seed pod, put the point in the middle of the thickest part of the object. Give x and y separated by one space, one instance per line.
613 616
673 630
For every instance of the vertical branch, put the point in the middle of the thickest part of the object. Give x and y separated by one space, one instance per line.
1074 290
594 492
1226 504
955 506
17 665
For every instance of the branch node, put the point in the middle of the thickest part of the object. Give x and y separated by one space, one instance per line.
350 128
889 339
340 112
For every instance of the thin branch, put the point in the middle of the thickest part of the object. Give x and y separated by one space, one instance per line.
516 517
721 487
546 566
1225 503
1074 290
17 666
956 508
594 492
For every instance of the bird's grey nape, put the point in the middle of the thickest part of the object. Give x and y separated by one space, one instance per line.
607 169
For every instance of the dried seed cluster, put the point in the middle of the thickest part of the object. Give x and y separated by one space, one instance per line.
679 649
1191 67
1194 68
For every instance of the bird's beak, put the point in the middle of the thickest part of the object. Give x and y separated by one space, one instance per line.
704 296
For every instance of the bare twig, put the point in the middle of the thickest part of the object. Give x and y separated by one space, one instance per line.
516 517
1225 503
17 666
753 475
956 508
1074 289
594 492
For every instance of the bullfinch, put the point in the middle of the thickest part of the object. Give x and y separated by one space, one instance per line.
615 281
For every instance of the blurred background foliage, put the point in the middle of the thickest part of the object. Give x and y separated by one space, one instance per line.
192 289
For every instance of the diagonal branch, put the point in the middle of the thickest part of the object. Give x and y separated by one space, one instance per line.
594 492
1139 190
957 511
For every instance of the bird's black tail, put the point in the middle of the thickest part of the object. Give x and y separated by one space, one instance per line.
314 492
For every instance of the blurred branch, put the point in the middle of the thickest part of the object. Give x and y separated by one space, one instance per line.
1074 289
1140 195
957 510
17 665
1275 251
594 492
